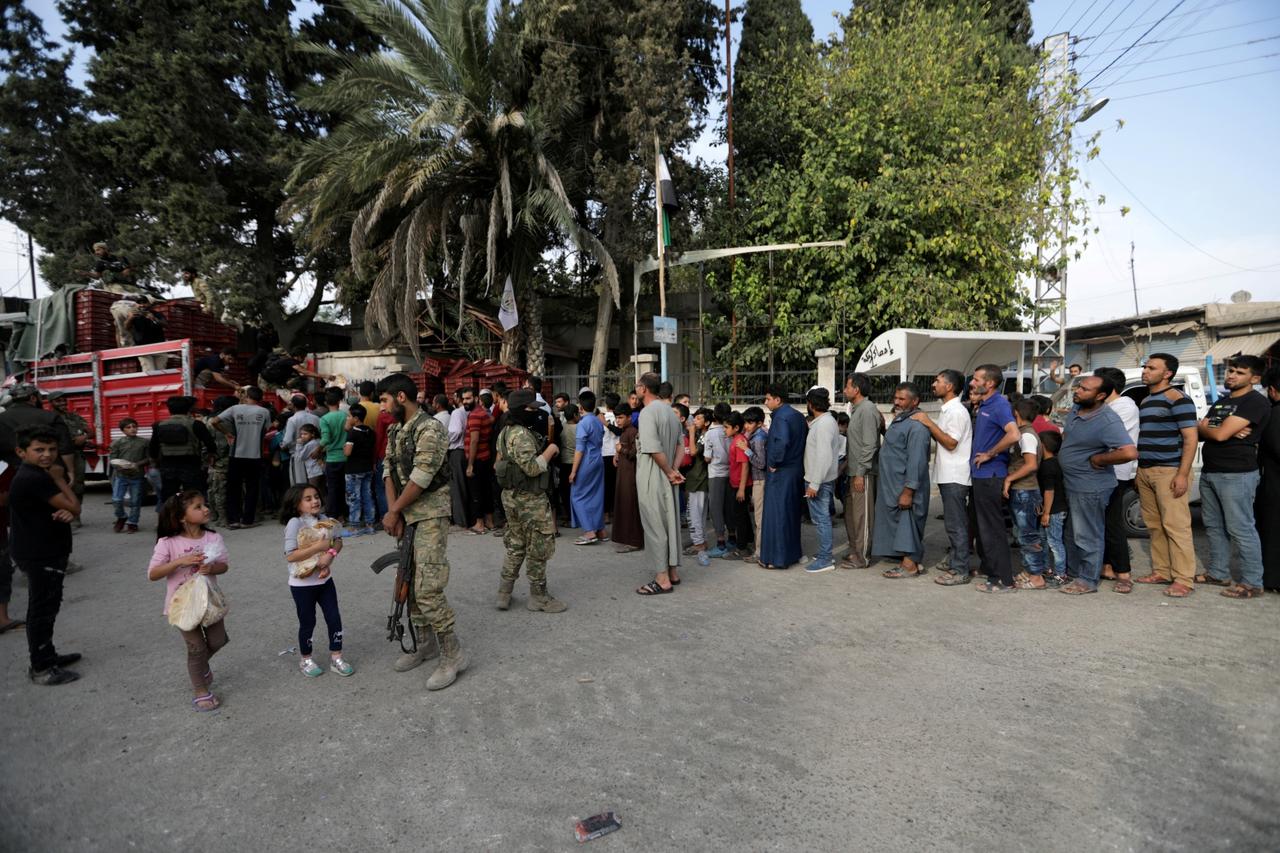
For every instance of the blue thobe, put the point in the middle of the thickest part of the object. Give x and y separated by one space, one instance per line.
784 489
587 492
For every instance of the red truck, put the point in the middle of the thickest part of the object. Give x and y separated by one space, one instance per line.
97 391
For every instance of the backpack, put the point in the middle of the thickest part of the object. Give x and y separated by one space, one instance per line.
177 437
278 369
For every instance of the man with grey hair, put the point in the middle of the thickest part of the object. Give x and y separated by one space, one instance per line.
904 487
657 481
862 444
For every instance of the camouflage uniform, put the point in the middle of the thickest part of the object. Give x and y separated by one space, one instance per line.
530 533
77 426
218 477
417 452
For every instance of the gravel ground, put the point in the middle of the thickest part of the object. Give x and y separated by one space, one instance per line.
750 710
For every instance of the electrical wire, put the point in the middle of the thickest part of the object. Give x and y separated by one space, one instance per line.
1188 35
1197 52
1053 29
1194 85
1174 232
1192 21
1115 37
1103 11
1115 83
1076 25
1171 17
1132 46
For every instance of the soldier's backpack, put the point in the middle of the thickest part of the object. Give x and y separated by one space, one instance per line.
278 370
510 475
177 437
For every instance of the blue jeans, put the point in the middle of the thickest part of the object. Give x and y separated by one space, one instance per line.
360 499
1089 529
379 491
153 477
1226 504
1054 538
126 492
1024 505
820 515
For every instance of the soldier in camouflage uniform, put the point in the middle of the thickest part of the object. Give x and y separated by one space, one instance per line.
417 470
218 477
521 468
79 429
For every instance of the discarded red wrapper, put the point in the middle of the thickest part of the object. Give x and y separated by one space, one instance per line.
596 826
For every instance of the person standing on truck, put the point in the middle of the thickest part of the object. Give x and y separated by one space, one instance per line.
146 325
246 423
212 369
179 444
24 410
78 428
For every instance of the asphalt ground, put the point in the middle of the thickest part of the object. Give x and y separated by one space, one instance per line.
749 710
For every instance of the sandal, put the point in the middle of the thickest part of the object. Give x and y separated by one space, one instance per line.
1177 590
652 588
1077 588
994 587
1152 578
950 578
1211 580
1242 591
11 625
584 540
207 702
625 549
1123 586
899 572
1026 583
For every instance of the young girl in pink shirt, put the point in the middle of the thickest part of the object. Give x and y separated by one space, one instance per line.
185 547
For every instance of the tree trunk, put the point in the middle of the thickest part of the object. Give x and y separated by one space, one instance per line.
531 322
604 316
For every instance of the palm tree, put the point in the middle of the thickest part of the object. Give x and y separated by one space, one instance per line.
436 169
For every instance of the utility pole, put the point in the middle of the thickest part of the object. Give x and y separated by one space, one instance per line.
1049 304
31 260
728 123
1133 277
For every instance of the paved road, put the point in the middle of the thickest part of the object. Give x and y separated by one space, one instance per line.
750 710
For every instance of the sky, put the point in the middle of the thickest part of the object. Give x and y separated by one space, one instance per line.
1195 166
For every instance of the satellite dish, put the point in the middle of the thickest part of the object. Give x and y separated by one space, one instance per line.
1241 296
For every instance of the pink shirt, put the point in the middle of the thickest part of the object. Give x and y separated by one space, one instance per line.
172 547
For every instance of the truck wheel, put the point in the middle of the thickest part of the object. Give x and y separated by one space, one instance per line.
1134 525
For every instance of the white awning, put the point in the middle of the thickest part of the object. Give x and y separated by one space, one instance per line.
923 352
1243 345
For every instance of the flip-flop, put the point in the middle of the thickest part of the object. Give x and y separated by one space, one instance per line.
207 702
585 541
13 624
652 588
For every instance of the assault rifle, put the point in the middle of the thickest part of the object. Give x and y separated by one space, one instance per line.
402 559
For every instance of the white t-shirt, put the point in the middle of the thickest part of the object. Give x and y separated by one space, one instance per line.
952 466
291 544
609 444
1128 412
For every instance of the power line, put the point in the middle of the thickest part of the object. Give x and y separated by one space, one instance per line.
1115 83
1192 21
1171 229
1135 44
1188 35
1076 26
1103 11
1115 37
1144 61
1171 17
1195 85
1061 15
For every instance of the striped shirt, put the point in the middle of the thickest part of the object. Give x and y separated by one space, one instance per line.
1159 431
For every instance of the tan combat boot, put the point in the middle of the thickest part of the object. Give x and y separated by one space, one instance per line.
541 600
428 648
504 593
452 662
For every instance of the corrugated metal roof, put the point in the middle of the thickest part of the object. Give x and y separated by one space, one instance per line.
1243 344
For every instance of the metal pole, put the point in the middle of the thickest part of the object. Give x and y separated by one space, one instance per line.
728 96
31 260
1133 277
662 252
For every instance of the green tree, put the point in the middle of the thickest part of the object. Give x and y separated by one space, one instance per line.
48 176
438 161
924 146
776 35
623 73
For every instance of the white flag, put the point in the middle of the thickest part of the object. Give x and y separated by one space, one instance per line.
508 314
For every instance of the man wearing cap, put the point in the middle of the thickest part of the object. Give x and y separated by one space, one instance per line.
78 428
24 410
522 456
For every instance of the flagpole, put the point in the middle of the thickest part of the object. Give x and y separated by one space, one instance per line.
662 276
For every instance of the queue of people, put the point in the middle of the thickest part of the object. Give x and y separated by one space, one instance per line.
741 483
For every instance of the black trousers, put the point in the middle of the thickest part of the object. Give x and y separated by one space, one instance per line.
988 515
305 599
458 488
479 490
743 526
44 579
1116 543
335 487
243 477
565 505
177 477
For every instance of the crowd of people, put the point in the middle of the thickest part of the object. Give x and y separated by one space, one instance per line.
641 472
